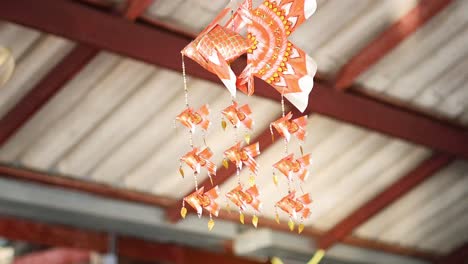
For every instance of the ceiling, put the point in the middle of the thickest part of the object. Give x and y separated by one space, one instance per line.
113 123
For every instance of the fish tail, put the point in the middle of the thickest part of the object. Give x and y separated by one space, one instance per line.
305 199
253 150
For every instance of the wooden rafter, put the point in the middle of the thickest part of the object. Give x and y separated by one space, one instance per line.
61 236
56 79
458 256
162 48
391 194
162 202
388 40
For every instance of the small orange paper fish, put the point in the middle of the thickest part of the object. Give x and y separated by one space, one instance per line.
289 167
199 200
243 198
287 127
196 159
238 115
239 156
191 118
295 206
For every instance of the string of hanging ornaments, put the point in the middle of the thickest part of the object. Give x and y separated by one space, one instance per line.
261 33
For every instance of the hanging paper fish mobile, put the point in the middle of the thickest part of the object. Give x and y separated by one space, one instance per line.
262 34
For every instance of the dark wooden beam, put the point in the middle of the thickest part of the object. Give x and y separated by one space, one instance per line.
458 256
391 194
62 236
162 48
388 40
56 79
39 95
83 186
166 203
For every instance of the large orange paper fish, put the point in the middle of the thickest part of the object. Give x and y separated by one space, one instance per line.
246 155
291 167
272 57
243 198
238 115
199 200
219 45
287 127
196 159
295 206
191 118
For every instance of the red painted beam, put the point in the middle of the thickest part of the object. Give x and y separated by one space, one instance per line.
61 236
161 202
56 256
388 40
136 7
83 186
162 48
404 185
56 79
458 256
39 95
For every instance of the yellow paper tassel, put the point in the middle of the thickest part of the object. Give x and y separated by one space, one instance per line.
276 260
275 179
252 180
291 225
241 218
183 212
223 124
302 150
277 219
225 163
181 171
317 257
211 224
255 221
300 228
211 180
247 138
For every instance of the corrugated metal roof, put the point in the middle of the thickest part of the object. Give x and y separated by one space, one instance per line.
428 70
113 122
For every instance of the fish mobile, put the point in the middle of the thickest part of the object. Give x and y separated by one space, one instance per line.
261 34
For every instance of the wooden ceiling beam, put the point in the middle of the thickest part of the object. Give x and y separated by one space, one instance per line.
159 47
388 40
62 236
166 203
458 256
56 79
391 194
50 85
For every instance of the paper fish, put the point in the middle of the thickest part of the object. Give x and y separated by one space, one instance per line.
272 57
295 206
239 156
287 127
290 167
238 115
243 198
191 118
196 159
219 45
199 200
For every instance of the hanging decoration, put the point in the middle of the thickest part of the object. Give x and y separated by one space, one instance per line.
261 33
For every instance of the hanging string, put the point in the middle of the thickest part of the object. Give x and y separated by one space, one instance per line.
185 81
